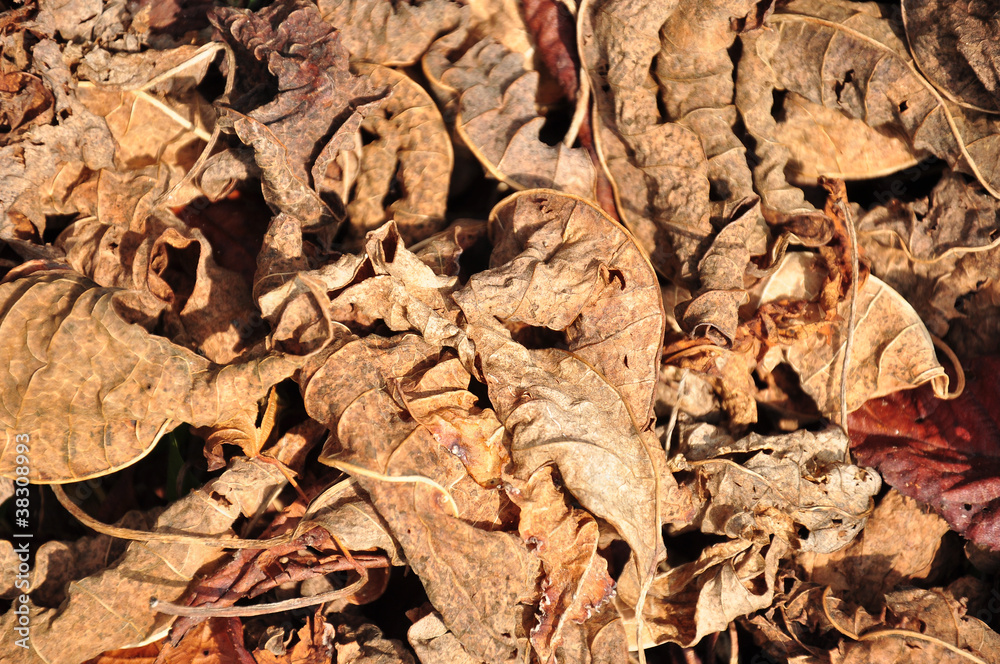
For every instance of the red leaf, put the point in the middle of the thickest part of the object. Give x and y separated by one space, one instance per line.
944 453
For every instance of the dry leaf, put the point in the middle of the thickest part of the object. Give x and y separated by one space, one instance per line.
855 63
577 584
892 349
494 96
103 390
795 486
658 169
112 607
351 389
560 263
394 35
899 546
402 170
685 603
953 43
823 142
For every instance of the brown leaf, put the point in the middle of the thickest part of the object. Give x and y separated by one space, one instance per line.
102 390
351 389
111 609
695 76
781 203
899 546
892 349
952 43
685 603
393 35
25 103
577 583
823 142
795 486
560 263
658 169
434 643
868 74
403 170
286 136
495 99
939 252
364 644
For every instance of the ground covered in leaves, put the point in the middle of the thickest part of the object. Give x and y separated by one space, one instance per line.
484 331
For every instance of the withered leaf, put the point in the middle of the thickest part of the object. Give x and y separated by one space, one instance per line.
824 142
953 43
940 452
685 603
112 606
577 584
694 71
561 263
847 57
898 547
285 133
394 35
658 169
795 486
97 391
407 160
494 96
351 389
940 253
892 348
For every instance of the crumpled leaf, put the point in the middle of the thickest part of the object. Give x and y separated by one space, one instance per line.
892 348
953 44
899 546
823 142
495 96
112 606
102 390
943 453
658 169
33 162
577 584
24 103
694 71
394 35
795 486
845 56
560 263
940 253
291 144
781 203
403 170
167 268
728 580
350 389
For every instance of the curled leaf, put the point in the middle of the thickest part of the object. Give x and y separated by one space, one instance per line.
102 390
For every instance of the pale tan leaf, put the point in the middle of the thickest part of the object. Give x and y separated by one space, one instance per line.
847 57
495 101
561 263
350 388
892 348
95 392
394 35
825 142
795 486
409 152
658 169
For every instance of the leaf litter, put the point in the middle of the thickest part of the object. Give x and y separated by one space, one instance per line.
501 332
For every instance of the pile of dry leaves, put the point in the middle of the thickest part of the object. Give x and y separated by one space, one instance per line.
459 331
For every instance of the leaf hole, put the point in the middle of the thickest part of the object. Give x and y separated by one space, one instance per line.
838 87
967 507
903 106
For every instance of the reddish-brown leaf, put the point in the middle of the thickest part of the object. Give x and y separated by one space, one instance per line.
944 453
